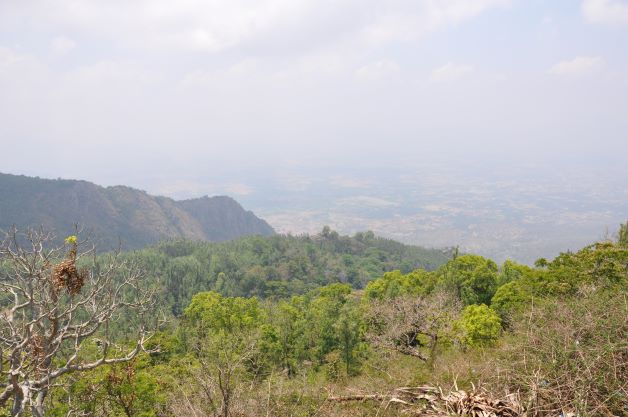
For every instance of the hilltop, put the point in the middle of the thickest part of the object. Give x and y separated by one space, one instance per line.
121 213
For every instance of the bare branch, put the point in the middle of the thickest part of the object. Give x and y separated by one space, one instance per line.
54 304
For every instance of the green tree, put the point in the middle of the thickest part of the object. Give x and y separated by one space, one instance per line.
125 390
512 271
623 234
211 312
348 330
394 284
472 278
333 326
479 325
288 320
224 336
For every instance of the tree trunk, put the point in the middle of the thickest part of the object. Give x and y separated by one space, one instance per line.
38 407
18 402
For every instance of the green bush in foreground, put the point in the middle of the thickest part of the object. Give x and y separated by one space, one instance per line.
479 326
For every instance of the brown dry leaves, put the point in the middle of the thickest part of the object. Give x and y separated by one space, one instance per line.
431 401
66 275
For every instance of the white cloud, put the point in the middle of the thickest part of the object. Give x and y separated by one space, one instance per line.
450 72
396 27
18 68
198 78
424 17
328 62
377 70
456 11
577 67
111 71
61 45
188 24
611 12
212 26
245 67
8 57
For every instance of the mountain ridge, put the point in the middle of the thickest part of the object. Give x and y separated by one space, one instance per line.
121 213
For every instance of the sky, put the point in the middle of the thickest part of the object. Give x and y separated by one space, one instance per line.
194 97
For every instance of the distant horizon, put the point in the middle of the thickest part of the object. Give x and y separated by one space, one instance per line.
307 208
499 125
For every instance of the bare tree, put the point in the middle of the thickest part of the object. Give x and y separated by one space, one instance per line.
218 384
412 325
570 356
50 307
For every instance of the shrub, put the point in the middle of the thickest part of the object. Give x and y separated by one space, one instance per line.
479 326
570 355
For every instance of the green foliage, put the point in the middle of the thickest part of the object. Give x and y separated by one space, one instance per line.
70 240
510 297
130 389
286 334
323 316
280 319
335 292
394 284
213 312
541 263
167 346
479 326
275 267
348 330
517 294
512 271
472 278
623 234
602 265
306 328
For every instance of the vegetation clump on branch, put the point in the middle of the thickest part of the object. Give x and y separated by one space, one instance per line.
65 274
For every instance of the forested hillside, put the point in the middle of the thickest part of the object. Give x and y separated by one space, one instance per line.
114 214
278 266
281 326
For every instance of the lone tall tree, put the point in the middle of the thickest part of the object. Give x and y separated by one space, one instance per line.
623 234
51 310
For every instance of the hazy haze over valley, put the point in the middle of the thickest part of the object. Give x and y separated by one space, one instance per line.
428 122
521 212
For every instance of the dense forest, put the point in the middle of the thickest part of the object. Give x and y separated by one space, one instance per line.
323 325
276 266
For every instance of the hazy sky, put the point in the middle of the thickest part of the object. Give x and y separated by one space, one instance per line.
159 93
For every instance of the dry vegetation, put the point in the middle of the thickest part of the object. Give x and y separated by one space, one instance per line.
409 345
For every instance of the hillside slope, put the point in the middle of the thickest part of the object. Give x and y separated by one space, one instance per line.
121 213
278 266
